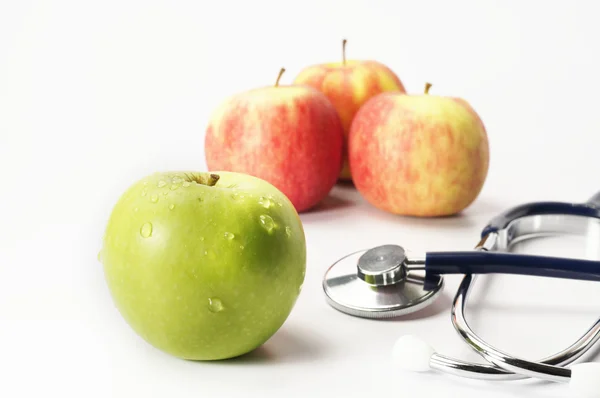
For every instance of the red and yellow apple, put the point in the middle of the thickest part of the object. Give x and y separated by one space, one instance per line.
290 136
418 155
348 85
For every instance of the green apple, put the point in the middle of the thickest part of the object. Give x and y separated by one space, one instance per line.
204 266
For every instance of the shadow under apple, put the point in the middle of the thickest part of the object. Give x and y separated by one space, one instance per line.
451 222
345 184
475 215
286 346
331 202
339 198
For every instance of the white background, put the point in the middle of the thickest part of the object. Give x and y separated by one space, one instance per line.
94 95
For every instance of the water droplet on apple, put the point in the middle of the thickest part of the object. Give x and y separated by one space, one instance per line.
215 305
154 198
288 232
186 184
238 196
192 274
146 230
165 193
135 209
267 222
201 238
171 206
177 180
242 247
161 184
265 202
144 192
279 204
205 252
229 235
174 187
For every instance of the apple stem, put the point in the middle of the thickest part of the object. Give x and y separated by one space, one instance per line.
206 179
427 87
212 179
279 77
344 51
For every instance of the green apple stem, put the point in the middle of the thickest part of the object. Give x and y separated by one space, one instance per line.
427 87
344 51
279 77
204 178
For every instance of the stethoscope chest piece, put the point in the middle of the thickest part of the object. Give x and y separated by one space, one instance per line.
375 284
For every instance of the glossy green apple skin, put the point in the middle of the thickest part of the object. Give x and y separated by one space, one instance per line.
201 272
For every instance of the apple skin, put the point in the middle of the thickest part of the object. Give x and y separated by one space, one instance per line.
200 272
348 86
418 155
290 136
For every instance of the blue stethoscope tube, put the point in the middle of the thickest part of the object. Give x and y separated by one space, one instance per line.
440 263
484 262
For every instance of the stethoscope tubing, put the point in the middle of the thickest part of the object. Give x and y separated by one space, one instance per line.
499 358
505 366
489 258
483 262
494 372
549 368
502 365
590 208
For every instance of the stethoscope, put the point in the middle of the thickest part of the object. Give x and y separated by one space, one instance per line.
387 281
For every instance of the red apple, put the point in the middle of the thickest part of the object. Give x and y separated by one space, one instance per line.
418 155
348 85
290 136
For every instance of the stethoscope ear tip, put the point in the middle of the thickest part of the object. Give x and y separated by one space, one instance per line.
585 380
412 354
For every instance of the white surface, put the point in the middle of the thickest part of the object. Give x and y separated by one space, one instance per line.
585 382
93 95
412 353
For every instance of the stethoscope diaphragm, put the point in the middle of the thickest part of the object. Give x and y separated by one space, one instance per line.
372 284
